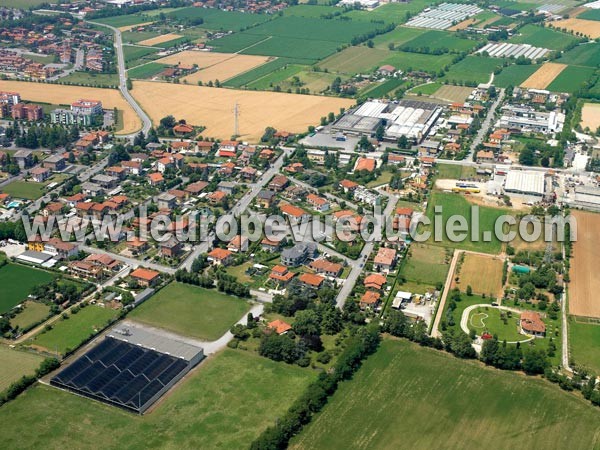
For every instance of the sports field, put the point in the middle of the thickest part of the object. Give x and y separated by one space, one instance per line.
588 28
590 116
426 264
482 273
213 108
407 396
225 403
68 334
191 311
543 76
14 364
60 95
160 39
585 284
571 79
584 340
17 281
33 313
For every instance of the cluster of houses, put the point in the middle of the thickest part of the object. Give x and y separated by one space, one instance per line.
11 106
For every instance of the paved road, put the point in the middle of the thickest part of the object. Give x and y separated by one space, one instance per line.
146 122
357 266
326 194
130 261
485 126
435 332
79 61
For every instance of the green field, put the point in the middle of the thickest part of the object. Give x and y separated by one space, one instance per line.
583 55
390 13
275 77
360 59
14 364
398 36
426 89
407 396
473 70
33 313
434 40
123 21
257 73
313 11
454 171
135 56
17 281
590 14
28 190
382 89
455 204
426 264
191 311
134 37
289 47
225 403
68 334
571 79
146 70
416 61
92 79
584 340
173 42
235 42
514 75
215 19
542 37
488 319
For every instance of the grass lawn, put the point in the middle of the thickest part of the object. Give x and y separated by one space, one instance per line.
407 396
14 364
455 204
584 339
426 264
92 79
29 190
16 282
191 311
33 313
425 89
384 178
68 334
489 319
446 171
225 403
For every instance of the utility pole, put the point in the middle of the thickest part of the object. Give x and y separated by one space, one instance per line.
236 113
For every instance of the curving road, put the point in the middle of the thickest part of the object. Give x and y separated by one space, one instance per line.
146 122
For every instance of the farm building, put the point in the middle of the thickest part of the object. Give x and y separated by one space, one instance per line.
443 16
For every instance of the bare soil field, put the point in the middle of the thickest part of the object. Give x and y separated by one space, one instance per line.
213 108
191 57
588 28
160 39
227 69
62 95
482 273
543 76
453 93
585 282
131 27
590 116
462 25
577 10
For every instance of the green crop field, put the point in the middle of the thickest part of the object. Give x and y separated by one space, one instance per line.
455 204
397 37
426 264
276 77
407 396
455 172
309 50
390 13
352 60
473 69
583 55
216 19
14 364
17 282
33 313
417 61
225 403
146 70
135 56
173 42
92 79
191 311
440 40
584 340
258 73
426 89
313 11
68 334
136 36
123 21
542 37
590 14
571 79
235 42
514 75
382 89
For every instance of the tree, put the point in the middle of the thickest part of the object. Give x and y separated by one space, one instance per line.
535 361
469 290
129 84
403 142
527 157
279 348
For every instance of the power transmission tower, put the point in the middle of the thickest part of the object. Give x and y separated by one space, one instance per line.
236 114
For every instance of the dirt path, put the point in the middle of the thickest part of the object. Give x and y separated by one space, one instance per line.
440 311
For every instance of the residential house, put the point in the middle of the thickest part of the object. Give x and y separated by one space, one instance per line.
155 178
216 197
137 246
195 188
298 254
485 156
55 163
105 181
370 300
117 172
531 323
238 244
385 259
182 129
375 281
367 164
281 275
132 167
279 326
23 158
269 246
294 213
387 70
265 198
248 173
348 185
40 174
279 183
318 203
326 267
227 187
145 277
311 280
220 257
171 248
61 249
166 201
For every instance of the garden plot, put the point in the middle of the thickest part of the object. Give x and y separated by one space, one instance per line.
444 16
506 50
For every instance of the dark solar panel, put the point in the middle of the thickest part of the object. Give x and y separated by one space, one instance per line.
121 374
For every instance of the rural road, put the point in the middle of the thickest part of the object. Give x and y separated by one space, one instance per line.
435 332
146 122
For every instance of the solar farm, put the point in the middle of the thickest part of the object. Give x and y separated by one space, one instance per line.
444 16
506 50
130 368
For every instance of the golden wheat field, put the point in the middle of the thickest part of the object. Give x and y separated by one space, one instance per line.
63 95
590 116
226 69
160 39
213 108
131 27
590 28
543 76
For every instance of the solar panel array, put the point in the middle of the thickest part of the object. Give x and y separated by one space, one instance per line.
121 374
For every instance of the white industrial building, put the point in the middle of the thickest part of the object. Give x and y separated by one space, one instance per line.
526 118
525 182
